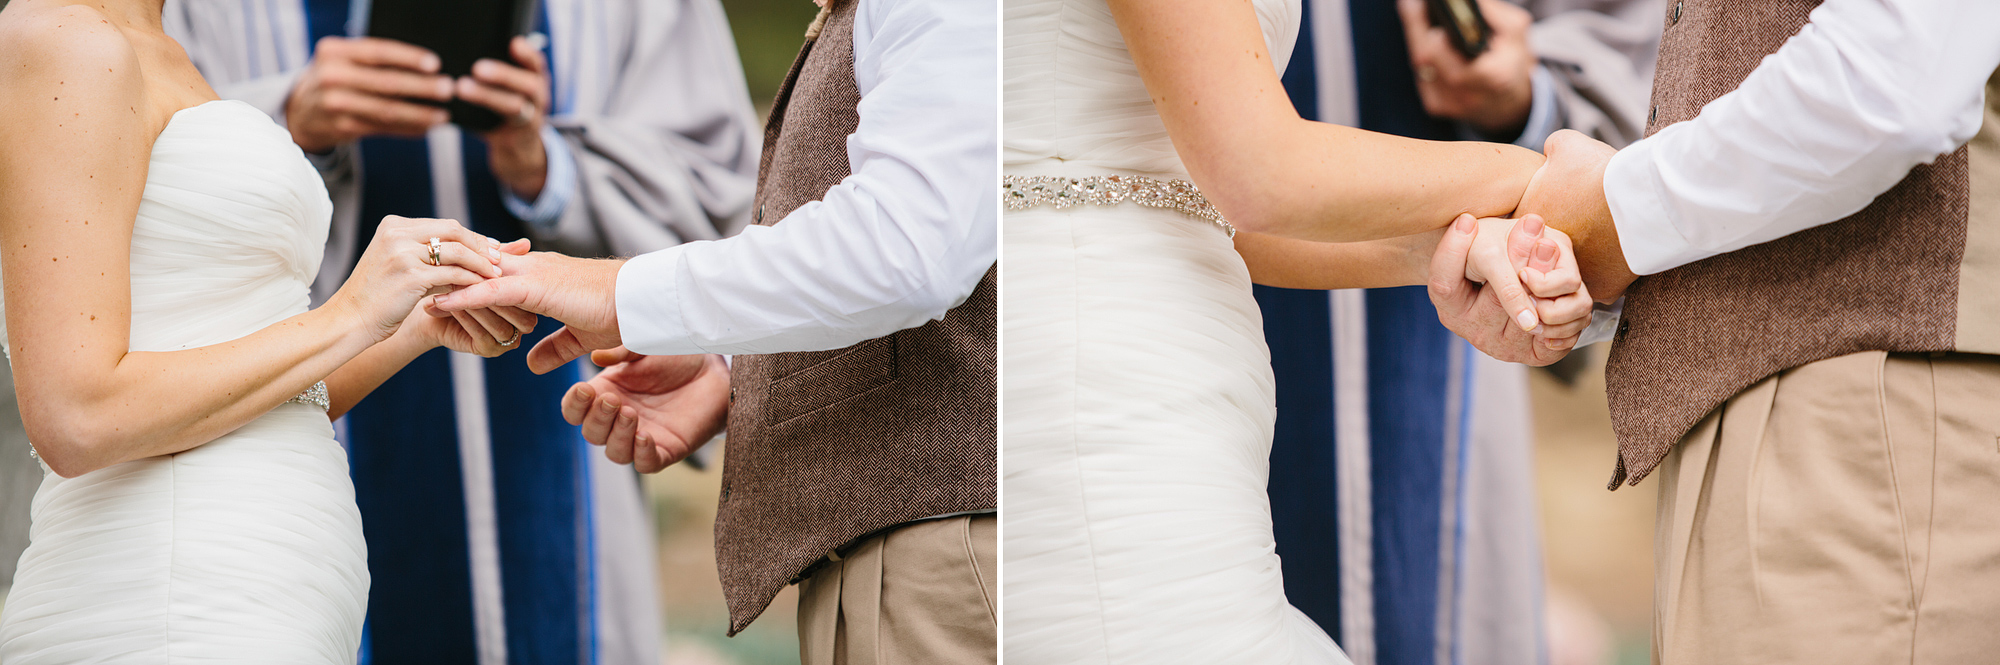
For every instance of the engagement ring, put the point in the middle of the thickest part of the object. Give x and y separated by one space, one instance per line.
436 246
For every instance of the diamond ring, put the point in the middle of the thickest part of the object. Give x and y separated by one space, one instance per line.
437 246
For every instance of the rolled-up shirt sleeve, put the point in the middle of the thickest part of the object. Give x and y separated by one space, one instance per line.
1865 92
903 239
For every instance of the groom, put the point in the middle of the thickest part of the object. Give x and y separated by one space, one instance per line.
862 449
1808 249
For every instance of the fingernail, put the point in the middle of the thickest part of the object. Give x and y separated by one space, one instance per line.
493 240
1546 252
1526 320
440 299
1463 224
493 253
430 63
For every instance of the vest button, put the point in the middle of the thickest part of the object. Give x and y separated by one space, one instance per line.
760 215
732 395
725 493
1654 116
1677 13
1624 325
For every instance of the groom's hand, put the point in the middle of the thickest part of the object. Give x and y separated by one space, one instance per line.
581 293
1568 191
650 411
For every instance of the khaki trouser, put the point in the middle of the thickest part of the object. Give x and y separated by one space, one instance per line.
1846 511
919 594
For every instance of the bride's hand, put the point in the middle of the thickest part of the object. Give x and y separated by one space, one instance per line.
1480 313
482 332
396 271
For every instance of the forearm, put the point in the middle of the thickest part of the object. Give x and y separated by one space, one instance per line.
371 368
1304 264
1323 182
147 404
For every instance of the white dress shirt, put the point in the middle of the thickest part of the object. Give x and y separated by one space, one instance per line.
902 240
1866 91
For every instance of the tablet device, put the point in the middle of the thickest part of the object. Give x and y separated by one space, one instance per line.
1463 22
460 32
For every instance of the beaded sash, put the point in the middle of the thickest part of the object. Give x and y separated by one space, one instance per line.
316 396
1024 192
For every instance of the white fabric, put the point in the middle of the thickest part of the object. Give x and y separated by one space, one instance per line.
244 549
1138 401
1866 91
898 243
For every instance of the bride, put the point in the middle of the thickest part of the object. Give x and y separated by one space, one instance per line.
155 247
1138 396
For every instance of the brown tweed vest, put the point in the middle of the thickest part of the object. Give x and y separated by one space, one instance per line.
1888 278
828 446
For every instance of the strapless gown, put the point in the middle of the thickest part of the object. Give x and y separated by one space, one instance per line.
245 549
1138 398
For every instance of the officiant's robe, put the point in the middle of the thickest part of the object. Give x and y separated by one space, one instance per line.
1402 470
495 533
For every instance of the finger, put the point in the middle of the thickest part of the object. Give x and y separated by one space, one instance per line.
647 454
507 103
522 320
1416 23
597 422
612 356
503 76
1565 316
576 403
500 292
1448 287
386 81
1514 299
527 56
422 230
379 52
556 350
1522 238
499 329
454 254
439 279
482 344
362 112
623 430
516 248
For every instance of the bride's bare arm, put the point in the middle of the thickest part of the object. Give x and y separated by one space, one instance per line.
74 147
1268 170
1305 264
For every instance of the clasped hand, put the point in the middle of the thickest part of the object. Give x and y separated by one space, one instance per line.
1510 287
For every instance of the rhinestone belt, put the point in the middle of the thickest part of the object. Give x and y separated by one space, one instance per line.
1024 192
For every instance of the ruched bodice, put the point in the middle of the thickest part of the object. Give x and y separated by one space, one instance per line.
1075 105
230 230
247 548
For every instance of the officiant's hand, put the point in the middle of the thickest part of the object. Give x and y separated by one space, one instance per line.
650 411
581 293
1492 92
1546 272
356 87
519 92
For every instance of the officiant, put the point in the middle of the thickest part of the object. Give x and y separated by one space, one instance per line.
495 535
1401 468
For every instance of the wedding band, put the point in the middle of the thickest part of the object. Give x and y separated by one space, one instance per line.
1427 74
437 245
511 342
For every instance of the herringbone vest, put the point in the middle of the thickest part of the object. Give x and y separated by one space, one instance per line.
828 446
1915 271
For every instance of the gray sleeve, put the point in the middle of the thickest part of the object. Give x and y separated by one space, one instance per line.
1600 54
673 155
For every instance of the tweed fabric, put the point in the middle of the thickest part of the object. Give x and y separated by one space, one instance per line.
1884 279
826 447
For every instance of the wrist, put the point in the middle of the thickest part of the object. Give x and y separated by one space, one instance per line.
523 166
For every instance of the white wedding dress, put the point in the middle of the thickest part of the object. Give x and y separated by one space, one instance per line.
1139 398
245 549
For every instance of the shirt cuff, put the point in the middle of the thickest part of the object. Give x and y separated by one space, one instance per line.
649 305
1603 323
1646 231
558 186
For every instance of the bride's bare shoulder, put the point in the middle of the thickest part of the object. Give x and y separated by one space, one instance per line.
59 57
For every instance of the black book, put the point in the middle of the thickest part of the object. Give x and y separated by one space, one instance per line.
460 32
